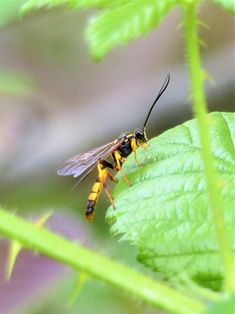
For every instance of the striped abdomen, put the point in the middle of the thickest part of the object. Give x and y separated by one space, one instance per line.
93 198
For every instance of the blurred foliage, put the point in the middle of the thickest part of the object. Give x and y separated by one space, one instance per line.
124 23
16 83
9 11
119 22
224 306
94 298
228 5
12 82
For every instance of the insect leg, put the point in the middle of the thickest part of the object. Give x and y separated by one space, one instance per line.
119 161
111 177
109 165
108 194
106 164
134 148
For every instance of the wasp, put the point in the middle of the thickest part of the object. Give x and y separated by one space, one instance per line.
119 149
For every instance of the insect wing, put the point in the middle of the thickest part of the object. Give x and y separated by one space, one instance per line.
82 164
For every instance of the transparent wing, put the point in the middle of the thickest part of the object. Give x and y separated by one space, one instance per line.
82 164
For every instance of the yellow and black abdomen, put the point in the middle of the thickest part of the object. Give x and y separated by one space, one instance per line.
93 198
96 190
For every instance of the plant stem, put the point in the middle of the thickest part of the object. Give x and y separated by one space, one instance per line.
197 76
98 266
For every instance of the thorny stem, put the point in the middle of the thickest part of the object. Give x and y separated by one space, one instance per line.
97 266
197 77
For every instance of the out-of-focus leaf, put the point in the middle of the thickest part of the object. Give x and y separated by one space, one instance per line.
120 22
9 10
226 306
76 4
228 5
16 83
124 23
31 5
166 213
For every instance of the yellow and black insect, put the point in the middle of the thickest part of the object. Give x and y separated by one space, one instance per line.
81 165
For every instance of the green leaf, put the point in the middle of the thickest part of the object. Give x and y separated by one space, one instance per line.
226 306
9 10
75 4
228 5
96 3
31 5
125 23
166 213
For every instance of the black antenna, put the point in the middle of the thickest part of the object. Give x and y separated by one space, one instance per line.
162 90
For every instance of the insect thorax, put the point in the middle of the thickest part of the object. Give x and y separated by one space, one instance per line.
125 148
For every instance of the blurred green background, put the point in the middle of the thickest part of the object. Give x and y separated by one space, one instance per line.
56 102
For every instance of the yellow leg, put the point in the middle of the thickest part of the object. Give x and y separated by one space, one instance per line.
111 177
108 195
125 178
103 173
134 148
118 166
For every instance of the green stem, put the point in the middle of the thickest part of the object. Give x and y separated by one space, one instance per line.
98 266
199 100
